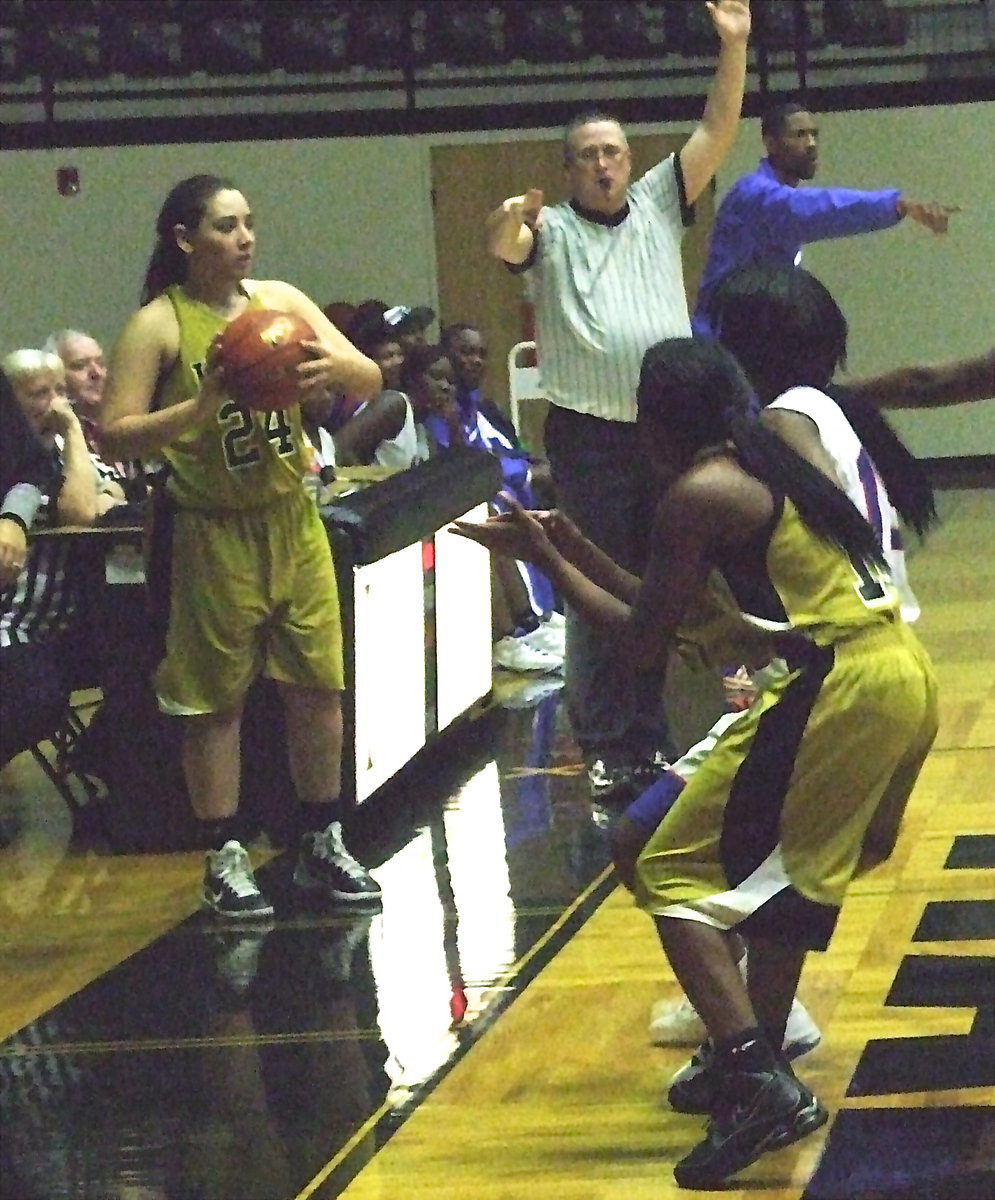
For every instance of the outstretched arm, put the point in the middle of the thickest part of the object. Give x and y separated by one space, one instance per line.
711 141
508 231
702 509
930 213
588 558
957 382
815 214
509 532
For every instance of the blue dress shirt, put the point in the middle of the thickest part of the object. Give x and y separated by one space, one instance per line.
762 219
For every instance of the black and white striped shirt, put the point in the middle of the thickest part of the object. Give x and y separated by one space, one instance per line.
605 291
48 592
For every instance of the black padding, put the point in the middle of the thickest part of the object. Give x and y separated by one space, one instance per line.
413 504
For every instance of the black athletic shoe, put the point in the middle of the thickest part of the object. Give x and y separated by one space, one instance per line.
230 887
695 1086
325 865
611 780
754 1112
649 769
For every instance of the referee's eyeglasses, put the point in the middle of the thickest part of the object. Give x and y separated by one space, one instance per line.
593 154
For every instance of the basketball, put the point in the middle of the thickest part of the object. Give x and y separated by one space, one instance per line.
259 353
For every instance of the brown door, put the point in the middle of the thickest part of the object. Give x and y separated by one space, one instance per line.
468 182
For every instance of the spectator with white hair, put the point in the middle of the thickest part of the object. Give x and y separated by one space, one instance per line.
38 614
85 374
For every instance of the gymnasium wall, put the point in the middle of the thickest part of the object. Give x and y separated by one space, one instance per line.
910 296
352 218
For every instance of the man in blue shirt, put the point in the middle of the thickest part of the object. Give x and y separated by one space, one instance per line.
767 217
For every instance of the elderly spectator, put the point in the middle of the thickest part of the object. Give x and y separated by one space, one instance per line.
25 475
37 615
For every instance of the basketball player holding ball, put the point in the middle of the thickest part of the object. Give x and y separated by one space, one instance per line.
237 540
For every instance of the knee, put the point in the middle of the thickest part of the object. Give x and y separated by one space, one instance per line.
204 725
307 705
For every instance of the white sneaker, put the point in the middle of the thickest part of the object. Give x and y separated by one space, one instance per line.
230 887
801 1034
525 691
679 1025
551 638
556 620
675 1024
515 654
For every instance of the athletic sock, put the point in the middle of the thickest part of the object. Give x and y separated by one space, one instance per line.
775 1038
213 833
315 818
746 1051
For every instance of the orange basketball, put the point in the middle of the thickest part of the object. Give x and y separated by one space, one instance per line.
259 352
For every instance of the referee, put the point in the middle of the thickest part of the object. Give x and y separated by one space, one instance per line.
603 271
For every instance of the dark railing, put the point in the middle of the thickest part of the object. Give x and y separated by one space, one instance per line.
123 71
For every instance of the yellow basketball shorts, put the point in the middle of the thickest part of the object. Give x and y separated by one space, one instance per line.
770 829
250 593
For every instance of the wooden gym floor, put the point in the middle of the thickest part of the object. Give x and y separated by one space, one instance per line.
484 1038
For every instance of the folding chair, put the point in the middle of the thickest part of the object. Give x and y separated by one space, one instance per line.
524 383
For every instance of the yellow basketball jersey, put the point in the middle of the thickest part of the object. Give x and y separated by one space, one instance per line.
796 580
237 459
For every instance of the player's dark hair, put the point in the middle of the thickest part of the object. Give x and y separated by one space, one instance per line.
786 330
696 392
904 477
775 117
185 205
782 325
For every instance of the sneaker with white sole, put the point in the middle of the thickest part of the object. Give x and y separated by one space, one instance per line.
551 638
515 654
676 1024
649 769
801 1034
754 1111
694 1087
230 887
325 865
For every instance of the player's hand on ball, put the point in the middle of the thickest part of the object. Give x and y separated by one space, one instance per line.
317 372
212 389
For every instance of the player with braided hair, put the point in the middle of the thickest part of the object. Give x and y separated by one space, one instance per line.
766 836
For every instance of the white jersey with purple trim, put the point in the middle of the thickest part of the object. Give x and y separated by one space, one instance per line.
860 480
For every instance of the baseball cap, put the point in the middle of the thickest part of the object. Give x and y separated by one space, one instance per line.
403 319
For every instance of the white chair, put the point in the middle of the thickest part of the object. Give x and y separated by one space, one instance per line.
523 381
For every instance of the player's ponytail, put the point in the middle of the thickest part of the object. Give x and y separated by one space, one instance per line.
695 393
185 205
904 476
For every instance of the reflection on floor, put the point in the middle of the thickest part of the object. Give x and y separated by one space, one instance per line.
484 1035
222 1062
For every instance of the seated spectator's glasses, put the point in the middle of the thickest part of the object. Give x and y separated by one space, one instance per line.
591 154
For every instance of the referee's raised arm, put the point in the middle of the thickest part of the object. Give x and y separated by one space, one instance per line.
711 141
